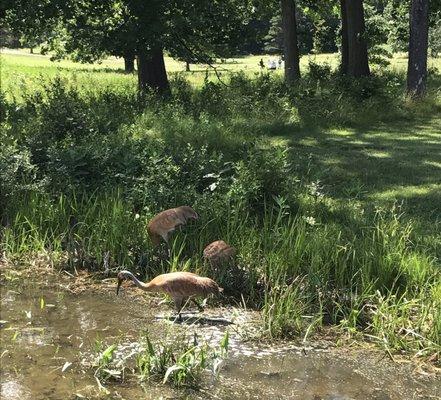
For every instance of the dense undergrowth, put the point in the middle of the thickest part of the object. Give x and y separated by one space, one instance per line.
82 170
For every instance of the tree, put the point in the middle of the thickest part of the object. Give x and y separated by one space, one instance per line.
418 44
17 14
358 64
129 62
145 28
274 37
322 25
291 50
8 39
396 13
205 31
377 31
344 39
310 32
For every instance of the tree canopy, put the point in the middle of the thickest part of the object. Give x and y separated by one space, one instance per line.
199 31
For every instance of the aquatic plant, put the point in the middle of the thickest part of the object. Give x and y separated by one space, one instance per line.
181 362
175 359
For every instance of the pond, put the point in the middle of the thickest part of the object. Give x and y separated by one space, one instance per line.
48 335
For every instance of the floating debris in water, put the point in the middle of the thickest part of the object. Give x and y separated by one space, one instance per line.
66 366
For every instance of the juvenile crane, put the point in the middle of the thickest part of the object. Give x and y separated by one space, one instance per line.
219 253
180 286
165 223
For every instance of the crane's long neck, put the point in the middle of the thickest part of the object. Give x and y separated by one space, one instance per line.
127 274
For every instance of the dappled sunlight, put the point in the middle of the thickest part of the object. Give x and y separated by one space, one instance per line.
408 192
311 142
378 154
341 132
358 142
384 163
433 164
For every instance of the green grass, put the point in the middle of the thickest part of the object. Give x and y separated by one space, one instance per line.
18 68
381 164
329 190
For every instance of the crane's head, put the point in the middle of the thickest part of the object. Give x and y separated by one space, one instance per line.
188 213
122 276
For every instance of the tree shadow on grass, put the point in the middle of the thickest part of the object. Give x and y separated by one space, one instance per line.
379 164
383 163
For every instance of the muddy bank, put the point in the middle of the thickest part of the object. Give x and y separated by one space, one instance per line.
50 326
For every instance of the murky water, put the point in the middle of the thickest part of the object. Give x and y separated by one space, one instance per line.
48 334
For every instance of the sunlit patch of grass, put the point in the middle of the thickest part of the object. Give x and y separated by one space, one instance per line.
408 192
20 65
378 154
433 164
308 142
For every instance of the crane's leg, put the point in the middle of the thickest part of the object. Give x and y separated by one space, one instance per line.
167 246
179 304
200 308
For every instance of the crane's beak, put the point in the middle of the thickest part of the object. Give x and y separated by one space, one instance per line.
119 285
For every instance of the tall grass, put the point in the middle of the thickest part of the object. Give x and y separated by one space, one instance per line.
86 227
301 275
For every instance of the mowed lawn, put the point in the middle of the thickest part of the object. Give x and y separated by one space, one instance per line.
19 65
377 164
380 164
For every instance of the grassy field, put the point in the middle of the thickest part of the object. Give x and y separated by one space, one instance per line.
19 67
330 190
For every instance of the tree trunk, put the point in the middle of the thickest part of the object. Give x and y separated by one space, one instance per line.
344 38
129 63
358 64
187 66
418 42
31 50
151 71
291 49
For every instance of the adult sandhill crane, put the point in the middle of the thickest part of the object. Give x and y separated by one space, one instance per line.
180 286
162 225
218 253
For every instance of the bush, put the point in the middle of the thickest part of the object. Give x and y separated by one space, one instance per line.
18 175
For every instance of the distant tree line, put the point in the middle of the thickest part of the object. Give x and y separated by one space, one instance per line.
199 31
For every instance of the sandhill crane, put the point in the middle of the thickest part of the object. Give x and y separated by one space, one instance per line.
218 253
162 225
180 286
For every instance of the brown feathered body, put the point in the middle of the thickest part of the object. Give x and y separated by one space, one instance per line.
180 286
219 252
164 224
